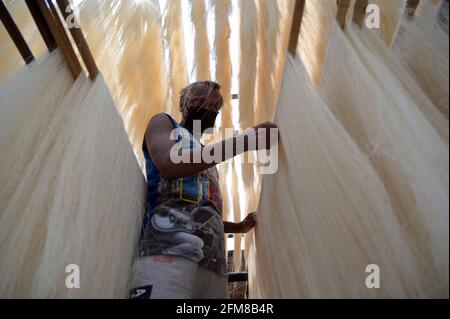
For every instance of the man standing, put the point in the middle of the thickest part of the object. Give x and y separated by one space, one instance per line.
181 250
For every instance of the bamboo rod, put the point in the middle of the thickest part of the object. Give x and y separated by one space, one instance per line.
15 34
79 39
43 28
296 25
411 7
60 36
360 12
343 6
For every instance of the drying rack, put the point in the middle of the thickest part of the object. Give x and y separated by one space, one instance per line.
55 32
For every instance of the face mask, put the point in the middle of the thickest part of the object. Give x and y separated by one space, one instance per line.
207 118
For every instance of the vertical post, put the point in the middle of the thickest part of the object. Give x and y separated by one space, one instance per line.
43 28
342 10
79 39
15 34
359 12
60 36
411 7
296 25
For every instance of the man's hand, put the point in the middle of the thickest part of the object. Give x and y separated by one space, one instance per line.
240 228
264 129
248 223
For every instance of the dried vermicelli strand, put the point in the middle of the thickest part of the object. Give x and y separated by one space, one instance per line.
201 46
421 100
140 98
422 47
402 145
248 67
268 28
178 75
317 21
79 200
390 15
222 11
320 222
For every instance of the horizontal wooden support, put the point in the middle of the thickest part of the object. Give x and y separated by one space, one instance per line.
15 34
79 38
296 26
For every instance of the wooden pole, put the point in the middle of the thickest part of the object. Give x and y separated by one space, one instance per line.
79 39
343 6
15 34
43 28
360 12
60 36
411 7
296 26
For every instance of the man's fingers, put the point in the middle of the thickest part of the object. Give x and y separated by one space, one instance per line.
251 220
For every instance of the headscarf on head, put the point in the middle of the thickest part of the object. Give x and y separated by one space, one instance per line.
199 95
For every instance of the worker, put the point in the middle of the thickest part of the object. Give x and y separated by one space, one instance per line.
181 253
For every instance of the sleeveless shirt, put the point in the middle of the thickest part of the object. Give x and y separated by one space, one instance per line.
184 216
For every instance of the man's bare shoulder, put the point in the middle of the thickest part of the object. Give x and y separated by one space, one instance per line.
158 122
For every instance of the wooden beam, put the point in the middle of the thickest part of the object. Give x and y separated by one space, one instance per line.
411 7
15 34
342 10
296 26
60 36
359 12
43 28
79 39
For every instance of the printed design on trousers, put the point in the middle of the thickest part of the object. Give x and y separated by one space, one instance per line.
141 292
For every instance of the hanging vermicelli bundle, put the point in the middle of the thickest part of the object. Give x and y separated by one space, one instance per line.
422 101
79 196
422 47
404 148
268 29
390 15
248 67
222 10
316 24
406 143
363 156
325 215
201 51
20 144
178 75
